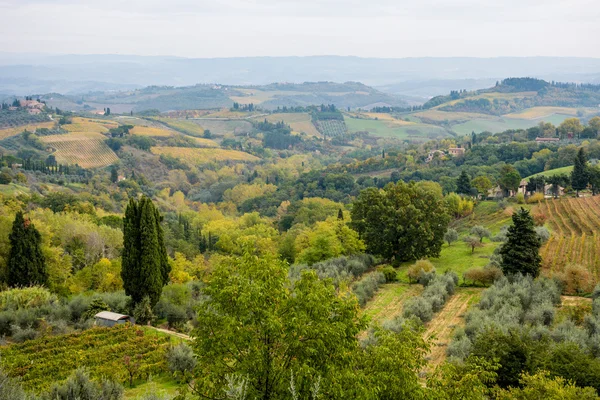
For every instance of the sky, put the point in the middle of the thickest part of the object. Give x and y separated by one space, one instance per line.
238 28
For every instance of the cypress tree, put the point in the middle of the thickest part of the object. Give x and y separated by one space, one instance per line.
521 252
463 184
145 267
580 177
26 264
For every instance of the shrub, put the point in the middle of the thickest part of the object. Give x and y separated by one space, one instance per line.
365 288
480 232
28 297
418 307
578 279
10 388
539 218
20 335
520 198
535 198
338 269
482 276
79 387
143 312
414 271
181 359
543 233
390 274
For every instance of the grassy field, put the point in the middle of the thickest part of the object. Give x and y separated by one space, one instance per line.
575 226
552 172
385 128
299 122
388 301
89 125
195 156
449 116
491 96
9 132
503 123
13 189
182 125
87 149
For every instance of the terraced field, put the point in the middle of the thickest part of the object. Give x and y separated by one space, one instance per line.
86 149
575 225
10 132
195 156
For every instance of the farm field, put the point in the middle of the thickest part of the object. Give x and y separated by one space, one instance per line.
542 112
491 96
182 125
151 131
503 123
332 127
388 301
86 149
441 328
552 172
41 362
575 226
80 124
300 122
449 116
9 132
218 128
199 156
415 131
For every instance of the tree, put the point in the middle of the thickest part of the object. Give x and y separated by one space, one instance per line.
594 176
473 242
594 125
521 251
480 232
404 221
580 176
570 127
145 266
26 264
255 325
451 236
509 179
114 174
463 184
482 184
556 181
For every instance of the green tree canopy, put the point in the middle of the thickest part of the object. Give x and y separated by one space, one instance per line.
403 221
509 178
580 175
145 267
521 251
26 264
463 184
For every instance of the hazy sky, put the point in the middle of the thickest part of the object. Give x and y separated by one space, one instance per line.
225 28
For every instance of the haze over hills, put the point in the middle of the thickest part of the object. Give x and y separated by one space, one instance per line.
413 78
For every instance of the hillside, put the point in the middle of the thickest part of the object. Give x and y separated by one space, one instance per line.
268 97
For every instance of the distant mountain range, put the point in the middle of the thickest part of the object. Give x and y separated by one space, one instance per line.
414 79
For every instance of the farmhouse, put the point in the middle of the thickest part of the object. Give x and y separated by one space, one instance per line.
456 151
433 153
107 318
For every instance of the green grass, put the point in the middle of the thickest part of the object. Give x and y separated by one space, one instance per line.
13 189
163 385
388 300
552 172
501 124
382 128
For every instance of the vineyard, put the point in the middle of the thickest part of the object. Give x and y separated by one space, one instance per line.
188 127
575 225
195 156
89 125
86 149
41 362
332 127
9 132
151 131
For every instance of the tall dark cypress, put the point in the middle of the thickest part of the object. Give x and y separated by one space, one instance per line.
26 264
580 176
145 266
463 184
521 252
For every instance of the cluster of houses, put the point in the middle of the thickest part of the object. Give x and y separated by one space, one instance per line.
452 151
33 107
498 192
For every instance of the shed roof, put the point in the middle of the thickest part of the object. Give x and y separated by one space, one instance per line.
111 316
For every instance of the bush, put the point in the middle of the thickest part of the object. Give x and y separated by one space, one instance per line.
143 312
482 276
365 288
539 218
451 236
79 387
390 274
578 279
414 271
535 198
338 269
10 388
20 335
543 233
418 307
181 359
520 198
28 297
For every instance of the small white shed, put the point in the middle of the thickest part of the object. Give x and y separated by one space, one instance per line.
107 318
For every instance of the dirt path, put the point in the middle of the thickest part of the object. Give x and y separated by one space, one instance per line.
172 333
440 330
